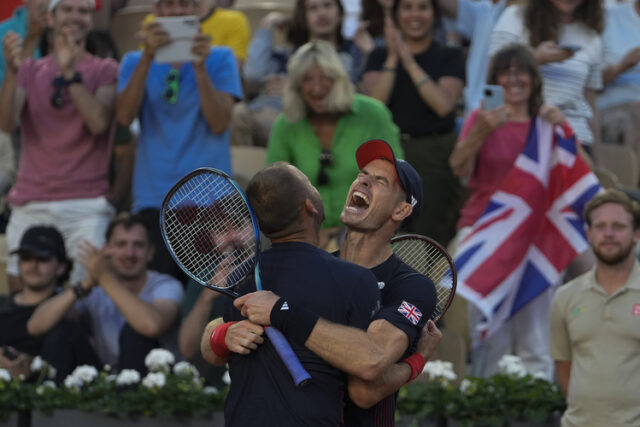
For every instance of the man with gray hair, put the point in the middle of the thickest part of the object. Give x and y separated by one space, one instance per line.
184 110
63 104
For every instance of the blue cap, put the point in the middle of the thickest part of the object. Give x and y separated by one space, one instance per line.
409 178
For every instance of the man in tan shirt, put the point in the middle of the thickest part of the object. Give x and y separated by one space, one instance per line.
595 321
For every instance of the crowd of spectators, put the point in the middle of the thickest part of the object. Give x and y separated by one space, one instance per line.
308 86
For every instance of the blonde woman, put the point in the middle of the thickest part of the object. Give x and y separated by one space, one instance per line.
323 123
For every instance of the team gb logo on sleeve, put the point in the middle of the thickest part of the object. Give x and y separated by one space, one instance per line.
410 311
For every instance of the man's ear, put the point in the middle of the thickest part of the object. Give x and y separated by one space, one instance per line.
310 208
402 211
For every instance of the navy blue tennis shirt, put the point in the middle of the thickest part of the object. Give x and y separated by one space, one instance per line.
262 391
408 301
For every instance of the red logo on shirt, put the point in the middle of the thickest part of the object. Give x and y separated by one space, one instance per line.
636 310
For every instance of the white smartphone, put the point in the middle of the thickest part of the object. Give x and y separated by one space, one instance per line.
493 96
182 30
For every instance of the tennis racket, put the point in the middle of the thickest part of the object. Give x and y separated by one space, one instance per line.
213 235
427 257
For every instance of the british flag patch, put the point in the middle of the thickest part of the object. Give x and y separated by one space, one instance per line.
410 311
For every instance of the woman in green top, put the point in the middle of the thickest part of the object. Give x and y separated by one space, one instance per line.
323 123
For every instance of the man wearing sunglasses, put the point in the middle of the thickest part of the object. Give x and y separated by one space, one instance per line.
184 109
63 104
43 267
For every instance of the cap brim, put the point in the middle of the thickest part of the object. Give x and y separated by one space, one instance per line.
34 251
374 150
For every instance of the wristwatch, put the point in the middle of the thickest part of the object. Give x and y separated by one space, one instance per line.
77 78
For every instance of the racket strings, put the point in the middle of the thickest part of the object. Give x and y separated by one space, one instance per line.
427 259
208 226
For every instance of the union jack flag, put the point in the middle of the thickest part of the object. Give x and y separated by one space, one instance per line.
531 230
410 311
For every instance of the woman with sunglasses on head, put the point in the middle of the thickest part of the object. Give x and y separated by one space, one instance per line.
566 39
421 81
489 143
323 123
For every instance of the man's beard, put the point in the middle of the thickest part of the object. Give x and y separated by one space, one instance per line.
616 258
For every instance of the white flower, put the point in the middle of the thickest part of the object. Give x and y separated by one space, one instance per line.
80 376
45 385
106 368
52 372
72 382
85 374
158 358
210 390
512 365
154 379
111 378
464 385
226 378
5 375
540 375
36 364
439 369
128 377
185 368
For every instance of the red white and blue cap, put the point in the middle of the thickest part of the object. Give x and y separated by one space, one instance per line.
409 178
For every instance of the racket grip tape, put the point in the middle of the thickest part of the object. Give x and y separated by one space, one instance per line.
291 361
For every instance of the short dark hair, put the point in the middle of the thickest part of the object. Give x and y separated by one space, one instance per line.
128 221
519 55
611 195
276 196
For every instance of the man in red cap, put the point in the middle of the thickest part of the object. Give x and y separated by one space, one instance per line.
386 193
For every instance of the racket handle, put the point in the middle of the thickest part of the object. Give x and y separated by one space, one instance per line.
299 374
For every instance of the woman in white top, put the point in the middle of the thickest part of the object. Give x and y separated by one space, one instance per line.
565 36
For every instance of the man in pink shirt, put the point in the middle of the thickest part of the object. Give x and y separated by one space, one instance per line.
64 105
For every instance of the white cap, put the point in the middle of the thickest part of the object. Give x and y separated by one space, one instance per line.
54 3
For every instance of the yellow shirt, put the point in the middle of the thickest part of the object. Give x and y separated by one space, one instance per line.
227 28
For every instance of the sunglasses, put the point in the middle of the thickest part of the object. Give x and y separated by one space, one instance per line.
26 257
57 99
170 93
326 160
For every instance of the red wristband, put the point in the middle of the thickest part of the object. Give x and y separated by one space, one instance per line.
416 362
216 341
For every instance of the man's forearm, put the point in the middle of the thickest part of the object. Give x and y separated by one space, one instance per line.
7 93
189 336
142 316
96 116
29 45
130 99
365 394
215 104
354 351
50 312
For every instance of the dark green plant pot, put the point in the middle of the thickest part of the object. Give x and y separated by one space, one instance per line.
79 418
